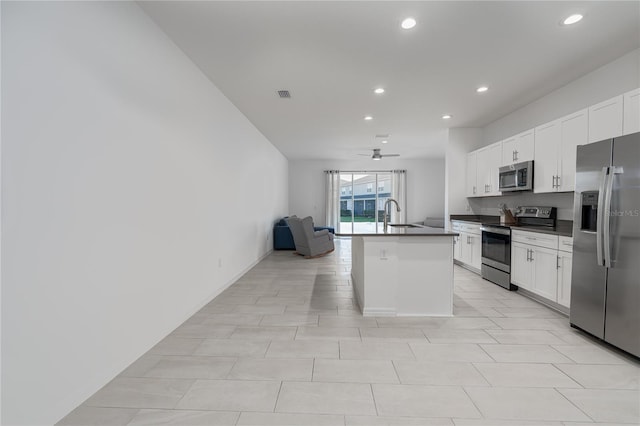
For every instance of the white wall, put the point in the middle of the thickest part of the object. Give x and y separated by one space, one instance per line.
425 185
460 142
604 83
126 176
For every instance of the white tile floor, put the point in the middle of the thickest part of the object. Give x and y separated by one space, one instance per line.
285 345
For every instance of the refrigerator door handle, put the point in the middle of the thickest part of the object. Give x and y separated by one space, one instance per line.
600 220
607 217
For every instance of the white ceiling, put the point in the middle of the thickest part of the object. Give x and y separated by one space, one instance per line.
331 55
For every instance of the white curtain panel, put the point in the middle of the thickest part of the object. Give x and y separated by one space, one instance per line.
332 195
399 193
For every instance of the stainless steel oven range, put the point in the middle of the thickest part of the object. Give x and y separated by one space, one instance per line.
496 242
496 255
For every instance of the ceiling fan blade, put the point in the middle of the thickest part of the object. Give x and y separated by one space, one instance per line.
390 155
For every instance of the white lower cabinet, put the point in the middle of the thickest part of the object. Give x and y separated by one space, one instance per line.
545 277
534 268
457 249
539 267
564 277
565 260
521 268
468 245
475 243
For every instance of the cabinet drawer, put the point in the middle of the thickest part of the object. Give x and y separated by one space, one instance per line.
535 239
565 244
469 227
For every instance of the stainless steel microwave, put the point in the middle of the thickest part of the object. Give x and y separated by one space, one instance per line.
516 177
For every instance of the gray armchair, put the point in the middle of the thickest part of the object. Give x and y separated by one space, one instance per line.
308 242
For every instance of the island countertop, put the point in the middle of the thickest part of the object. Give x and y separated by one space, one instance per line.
392 231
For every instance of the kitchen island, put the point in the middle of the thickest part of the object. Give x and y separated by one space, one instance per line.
406 271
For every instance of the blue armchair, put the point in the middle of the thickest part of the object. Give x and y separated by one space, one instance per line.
282 237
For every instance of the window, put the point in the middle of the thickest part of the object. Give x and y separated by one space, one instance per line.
362 198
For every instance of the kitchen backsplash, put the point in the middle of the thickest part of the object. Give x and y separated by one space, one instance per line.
563 201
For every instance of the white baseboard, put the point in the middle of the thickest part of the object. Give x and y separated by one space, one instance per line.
425 315
467 267
379 312
228 284
544 301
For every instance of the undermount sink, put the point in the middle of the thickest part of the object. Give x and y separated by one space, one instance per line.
403 225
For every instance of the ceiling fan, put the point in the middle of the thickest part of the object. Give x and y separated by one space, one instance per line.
377 156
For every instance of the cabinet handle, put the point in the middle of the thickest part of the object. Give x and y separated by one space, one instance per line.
558 181
513 156
468 239
532 259
474 190
516 154
553 184
557 262
528 255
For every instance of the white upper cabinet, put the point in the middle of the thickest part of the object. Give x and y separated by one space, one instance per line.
472 174
553 146
518 148
488 163
605 119
545 163
573 132
555 152
631 120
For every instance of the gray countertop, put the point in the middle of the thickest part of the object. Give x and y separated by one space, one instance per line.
563 228
418 231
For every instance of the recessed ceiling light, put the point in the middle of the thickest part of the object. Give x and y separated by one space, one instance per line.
408 23
368 117
573 19
379 90
384 141
446 117
482 89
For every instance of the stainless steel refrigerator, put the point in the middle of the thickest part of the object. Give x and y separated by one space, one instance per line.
605 283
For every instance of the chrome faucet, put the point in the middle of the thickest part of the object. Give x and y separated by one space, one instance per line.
387 211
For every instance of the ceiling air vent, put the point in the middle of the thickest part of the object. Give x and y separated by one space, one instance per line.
284 94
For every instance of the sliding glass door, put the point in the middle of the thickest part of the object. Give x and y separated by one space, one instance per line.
362 198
